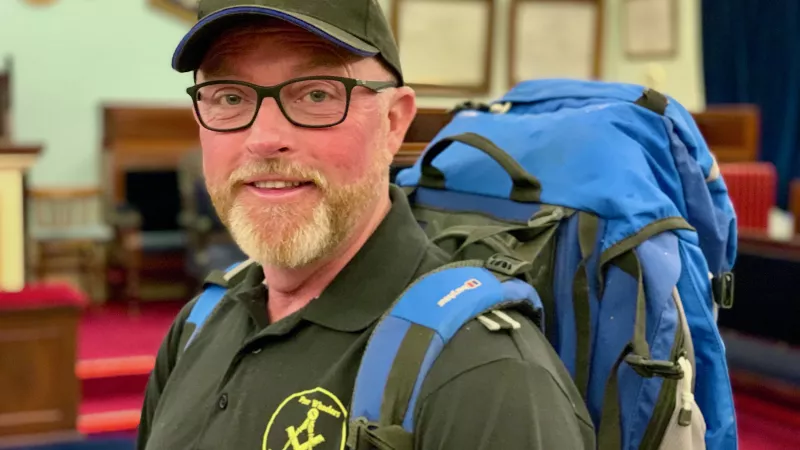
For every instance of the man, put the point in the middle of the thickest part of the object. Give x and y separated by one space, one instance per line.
302 107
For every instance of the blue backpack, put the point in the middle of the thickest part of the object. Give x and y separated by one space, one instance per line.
600 206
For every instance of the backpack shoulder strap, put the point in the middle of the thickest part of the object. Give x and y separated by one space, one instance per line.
214 289
408 339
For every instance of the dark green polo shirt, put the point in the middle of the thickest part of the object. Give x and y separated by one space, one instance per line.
245 383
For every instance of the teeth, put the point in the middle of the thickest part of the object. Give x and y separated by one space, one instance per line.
276 184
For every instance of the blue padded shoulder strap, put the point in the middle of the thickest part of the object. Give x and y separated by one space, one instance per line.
209 298
437 305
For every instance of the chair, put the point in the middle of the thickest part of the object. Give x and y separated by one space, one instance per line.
210 246
68 233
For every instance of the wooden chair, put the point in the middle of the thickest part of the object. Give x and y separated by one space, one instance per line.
68 233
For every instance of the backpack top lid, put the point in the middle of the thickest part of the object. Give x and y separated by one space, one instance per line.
592 148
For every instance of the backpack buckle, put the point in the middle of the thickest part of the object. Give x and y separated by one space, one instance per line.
359 435
722 287
649 368
468 105
507 265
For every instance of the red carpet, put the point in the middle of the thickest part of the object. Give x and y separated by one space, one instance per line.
116 352
113 332
765 425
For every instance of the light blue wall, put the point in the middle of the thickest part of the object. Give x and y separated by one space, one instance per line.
75 55
70 58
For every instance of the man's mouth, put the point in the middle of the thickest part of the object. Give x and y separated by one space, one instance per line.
280 184
280 190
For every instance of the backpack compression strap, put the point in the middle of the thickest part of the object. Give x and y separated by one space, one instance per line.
408 340
210 297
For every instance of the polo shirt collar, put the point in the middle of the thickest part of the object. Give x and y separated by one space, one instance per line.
381 270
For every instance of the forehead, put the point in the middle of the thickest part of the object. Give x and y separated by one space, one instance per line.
273 48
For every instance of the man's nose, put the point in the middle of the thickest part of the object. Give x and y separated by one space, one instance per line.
268 131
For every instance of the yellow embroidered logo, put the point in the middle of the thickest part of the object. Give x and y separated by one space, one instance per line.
308 420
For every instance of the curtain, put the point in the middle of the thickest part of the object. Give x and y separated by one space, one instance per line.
751 54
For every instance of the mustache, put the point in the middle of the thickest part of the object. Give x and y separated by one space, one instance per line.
274 167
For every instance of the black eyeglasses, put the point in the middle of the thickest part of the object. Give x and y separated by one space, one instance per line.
310 102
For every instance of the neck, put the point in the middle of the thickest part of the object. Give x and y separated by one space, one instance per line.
292 289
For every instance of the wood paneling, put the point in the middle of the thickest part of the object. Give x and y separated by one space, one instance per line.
38 385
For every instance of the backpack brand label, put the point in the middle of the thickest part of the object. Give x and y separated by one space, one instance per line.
472 283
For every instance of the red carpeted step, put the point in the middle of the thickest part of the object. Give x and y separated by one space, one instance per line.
765 425
100 388
108 414
116 354
114 332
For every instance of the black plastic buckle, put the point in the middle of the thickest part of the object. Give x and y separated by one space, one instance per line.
507 265
649 368
468 105
359 436
722 287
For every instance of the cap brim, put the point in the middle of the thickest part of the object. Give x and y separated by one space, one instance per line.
192 48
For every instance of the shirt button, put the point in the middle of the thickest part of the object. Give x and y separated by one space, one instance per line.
223 401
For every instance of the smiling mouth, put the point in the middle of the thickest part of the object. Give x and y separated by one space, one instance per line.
280 184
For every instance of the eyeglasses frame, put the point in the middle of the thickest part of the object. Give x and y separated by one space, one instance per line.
273 92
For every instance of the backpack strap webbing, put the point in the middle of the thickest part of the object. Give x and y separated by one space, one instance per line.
637 355
215 286
654 101
587 236
409 338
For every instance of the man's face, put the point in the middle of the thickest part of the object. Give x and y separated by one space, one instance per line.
290 195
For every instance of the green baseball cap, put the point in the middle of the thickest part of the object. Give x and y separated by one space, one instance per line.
359 26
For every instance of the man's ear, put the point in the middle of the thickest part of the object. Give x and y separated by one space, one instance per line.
401 112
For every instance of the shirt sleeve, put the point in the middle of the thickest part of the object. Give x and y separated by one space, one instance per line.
507 404
165 361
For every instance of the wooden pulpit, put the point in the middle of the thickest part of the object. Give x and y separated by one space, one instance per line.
38 324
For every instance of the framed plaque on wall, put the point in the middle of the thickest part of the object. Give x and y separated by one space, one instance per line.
650 28
445 45
555 39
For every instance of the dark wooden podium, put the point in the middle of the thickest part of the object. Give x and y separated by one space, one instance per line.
38 324
38 345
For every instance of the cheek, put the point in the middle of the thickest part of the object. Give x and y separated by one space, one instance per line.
218 162
348 151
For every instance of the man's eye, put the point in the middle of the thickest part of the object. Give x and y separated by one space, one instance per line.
318 96
232 99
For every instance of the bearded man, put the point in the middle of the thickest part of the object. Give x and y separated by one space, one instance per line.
302 106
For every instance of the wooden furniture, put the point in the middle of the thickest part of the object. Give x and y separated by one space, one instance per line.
5 103
794 203
144 137
68 232
141 140
38 385
5 107
732 132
